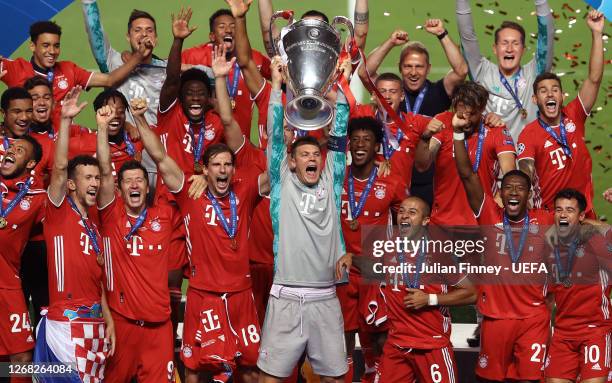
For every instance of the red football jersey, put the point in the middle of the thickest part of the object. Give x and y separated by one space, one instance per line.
450 206
584 306
261 237
514 293
15 236
75 277
430 326
553 170
202 55
215 266
66 75
402 159
137 269
84 141
386 194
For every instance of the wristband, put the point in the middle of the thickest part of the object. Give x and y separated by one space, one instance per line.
442 35
433 300
458 136
337 144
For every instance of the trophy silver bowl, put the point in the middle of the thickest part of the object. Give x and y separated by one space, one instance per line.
312 48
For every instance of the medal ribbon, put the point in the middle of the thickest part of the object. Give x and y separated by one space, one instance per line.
233 89
514 255
481 137
139 221
390 143
129 146
6 143
356 208
88 230
513 92
418 102
197 152
414 284
562 139
571 254
23 190
230 229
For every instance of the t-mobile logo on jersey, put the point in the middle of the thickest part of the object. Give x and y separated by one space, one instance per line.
134 245
558 158
307 203
85 242
210 321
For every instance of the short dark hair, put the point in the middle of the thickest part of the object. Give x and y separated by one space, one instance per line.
511 25
35 81
131 165
215 149
518 173
569 193
40 27
369 124
14 93
304 140
218 13
388 76
81 159
138 14
545 76
413 47
315 13
195 74
37 150
102 98
471 94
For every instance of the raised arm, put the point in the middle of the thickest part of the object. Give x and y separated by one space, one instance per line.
376 57
362 22
469 41
180 30
221 67
427 149
469 178
459 68
59 175
119 75
590 86
546 34
527 166
277 150
253 79
107 182
98 39
265 15
171 173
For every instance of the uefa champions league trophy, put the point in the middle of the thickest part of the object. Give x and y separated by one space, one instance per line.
311 49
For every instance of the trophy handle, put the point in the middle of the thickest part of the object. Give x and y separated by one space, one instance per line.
287 15
346 22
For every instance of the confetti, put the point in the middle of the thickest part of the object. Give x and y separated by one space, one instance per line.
577 10
490 27
599 108
572 20
479 5
597 148
489 11
519 18
566 6
386 14
559 31
570 56
419 27
533 35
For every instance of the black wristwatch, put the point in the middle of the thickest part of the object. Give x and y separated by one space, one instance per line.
442 35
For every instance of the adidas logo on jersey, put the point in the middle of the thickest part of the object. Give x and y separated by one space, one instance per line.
596 367
547 144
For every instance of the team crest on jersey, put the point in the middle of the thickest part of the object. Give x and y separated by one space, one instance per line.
534 228
62 84
187 352
24 204
520 148
320 192
483 361
570 127
521 83
155 225
580 252
380 192
209 134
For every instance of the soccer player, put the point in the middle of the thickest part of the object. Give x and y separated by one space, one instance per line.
515 324
77 328
63 75
418 346
580 343
491 153
123 147
367 201
508 82
222 26
137 243
21 206
306 198
552 148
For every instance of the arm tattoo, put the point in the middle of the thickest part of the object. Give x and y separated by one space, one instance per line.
362 17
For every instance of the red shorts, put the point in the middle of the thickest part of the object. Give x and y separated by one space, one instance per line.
145 352
220 332
408 365
363 305
512 348
262 275
15 329
588 357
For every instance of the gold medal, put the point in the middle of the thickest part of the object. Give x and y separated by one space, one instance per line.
523 113
100 259
3 223
138 156
567 282
234 244
197 168
354 225
233 104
